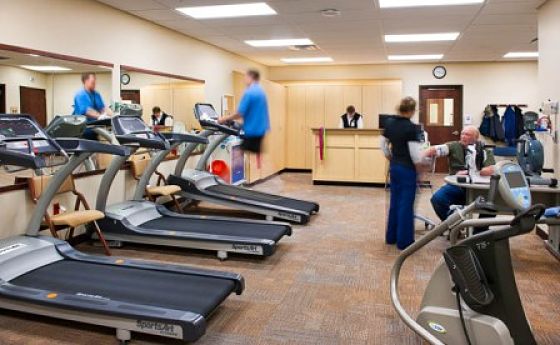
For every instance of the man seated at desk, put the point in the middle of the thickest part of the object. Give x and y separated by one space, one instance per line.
455 152
351 119
159 117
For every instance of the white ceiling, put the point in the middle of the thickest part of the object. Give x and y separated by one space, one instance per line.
488 30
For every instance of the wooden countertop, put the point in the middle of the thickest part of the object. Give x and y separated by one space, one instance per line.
351 130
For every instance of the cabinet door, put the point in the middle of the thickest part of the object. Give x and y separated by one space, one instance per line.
392 94
334 105
371 104
295 136
352 95
314 118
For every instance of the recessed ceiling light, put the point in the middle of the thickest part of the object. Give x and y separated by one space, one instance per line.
308 59
45 68
415 57
228 11
448 36
280 43
419 3
330 12
514 55
34 55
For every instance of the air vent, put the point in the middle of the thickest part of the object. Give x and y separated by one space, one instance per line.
308 47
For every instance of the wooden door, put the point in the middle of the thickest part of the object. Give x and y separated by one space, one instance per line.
2 99
33 102
131 95
441 113
295 129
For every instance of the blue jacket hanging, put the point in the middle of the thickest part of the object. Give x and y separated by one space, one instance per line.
510 127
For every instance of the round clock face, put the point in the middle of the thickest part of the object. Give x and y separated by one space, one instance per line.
439 72
125 79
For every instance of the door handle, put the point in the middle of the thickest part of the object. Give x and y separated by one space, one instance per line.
455 132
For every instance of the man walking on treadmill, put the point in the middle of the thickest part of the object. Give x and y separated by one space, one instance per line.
253 109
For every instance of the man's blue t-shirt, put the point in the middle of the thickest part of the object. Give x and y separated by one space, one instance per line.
254 110
84 100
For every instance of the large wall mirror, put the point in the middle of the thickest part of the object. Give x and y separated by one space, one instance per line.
43 85
172 95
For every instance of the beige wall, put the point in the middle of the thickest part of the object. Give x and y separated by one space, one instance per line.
14 77
549 60
89 29
505 82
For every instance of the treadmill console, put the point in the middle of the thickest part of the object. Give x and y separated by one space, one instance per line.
514 188
24 143
208 118
67 126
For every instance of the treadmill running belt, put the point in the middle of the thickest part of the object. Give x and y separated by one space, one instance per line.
276 200
132 285
218 227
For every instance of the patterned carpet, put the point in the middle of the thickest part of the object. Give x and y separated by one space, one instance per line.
327 284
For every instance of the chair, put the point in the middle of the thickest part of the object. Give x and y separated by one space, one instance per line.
69 219
138 164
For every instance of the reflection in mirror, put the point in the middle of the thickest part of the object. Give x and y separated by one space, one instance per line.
440 112
43 87
166 101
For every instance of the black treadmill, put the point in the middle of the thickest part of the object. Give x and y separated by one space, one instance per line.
45 276
198 184
142 221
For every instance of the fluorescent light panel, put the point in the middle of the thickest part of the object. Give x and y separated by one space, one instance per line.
415 57
420 3
446 36
513 55
307 59
228 11
45 68
280 43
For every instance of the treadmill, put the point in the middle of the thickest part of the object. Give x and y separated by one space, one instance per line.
45 276
200 185
146 222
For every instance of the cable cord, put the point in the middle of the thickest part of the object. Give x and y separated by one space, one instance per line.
456 290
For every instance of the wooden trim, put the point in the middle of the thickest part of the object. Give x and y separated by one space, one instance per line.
54 55
161 74
342 82
13 187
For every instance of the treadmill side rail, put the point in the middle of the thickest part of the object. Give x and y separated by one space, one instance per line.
115 314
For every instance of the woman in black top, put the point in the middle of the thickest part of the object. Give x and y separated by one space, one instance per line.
404 138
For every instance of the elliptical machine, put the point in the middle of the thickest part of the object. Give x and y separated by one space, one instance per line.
530 153
472 297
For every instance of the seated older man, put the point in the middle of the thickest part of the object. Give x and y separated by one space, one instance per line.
455 152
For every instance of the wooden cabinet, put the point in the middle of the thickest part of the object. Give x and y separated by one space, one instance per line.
351 155
321 103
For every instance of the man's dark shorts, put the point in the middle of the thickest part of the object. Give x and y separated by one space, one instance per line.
252 144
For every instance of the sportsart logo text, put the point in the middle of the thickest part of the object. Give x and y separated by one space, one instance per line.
11 248
158 327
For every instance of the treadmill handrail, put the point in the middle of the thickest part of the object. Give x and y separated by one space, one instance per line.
210 148
184 138
182 161
74 145
215 126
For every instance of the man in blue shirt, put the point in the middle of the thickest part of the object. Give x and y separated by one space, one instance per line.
89 102
253 108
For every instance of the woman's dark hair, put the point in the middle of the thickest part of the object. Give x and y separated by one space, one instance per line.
156 109
350 109
407 105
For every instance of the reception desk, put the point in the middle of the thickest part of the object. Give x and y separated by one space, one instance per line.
351 156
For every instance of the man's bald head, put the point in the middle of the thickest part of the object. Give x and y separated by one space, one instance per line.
469 135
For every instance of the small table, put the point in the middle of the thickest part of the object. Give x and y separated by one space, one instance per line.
545 195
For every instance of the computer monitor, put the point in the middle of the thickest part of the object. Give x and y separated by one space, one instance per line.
383 120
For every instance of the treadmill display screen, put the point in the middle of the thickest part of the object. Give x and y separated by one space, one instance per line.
133 124
206 112
19 127
515 179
